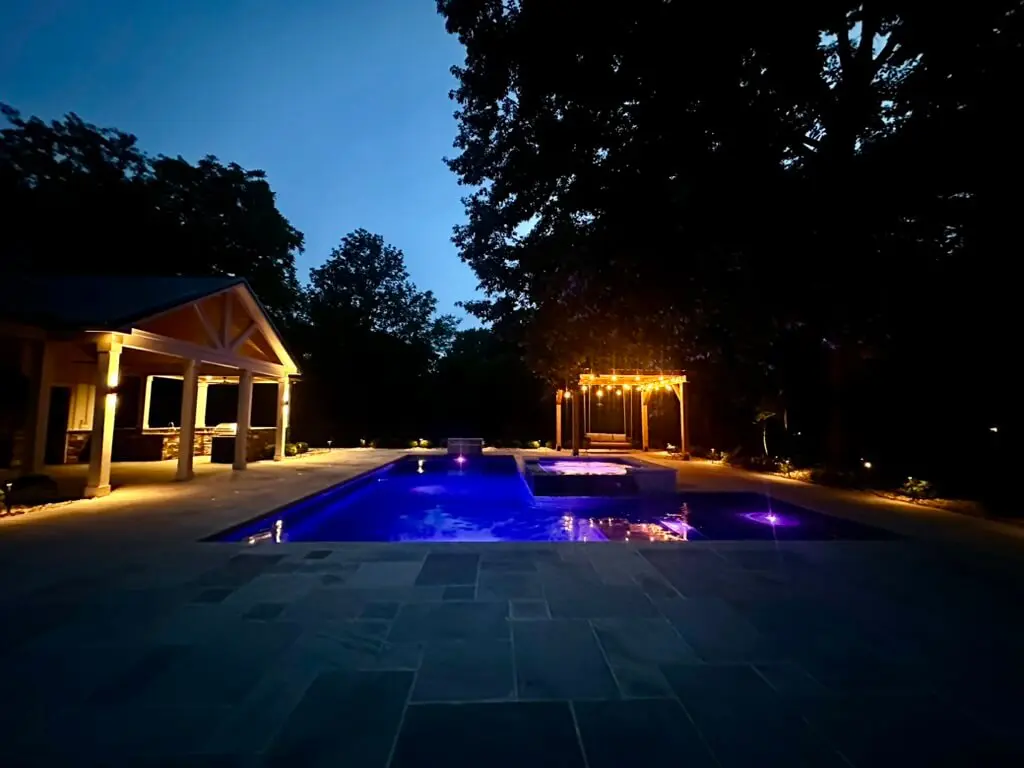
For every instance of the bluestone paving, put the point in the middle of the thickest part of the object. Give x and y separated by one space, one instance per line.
127 641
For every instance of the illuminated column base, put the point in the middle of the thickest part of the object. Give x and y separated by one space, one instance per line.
108 359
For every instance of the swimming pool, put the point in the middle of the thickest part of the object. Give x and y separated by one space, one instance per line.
485 498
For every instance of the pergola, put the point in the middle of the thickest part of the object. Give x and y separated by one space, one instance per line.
88 334
620 384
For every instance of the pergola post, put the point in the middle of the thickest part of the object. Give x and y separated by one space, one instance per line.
678 389
144 402
108 360
242 418
41 416
284 397
645 398
187 433
201 393
574 406
558 420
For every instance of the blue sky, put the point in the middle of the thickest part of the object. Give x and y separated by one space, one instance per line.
344 103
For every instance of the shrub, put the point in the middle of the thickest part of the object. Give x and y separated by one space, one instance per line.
549 444
516 443
267 451
302 447
916 489
699 453
833 477
290 449
785 466
533 444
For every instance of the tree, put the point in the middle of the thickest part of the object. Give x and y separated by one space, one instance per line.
87 199
764 204
370 341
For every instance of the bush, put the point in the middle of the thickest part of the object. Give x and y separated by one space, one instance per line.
916 489
517 443
533 444
302 447
699 453
834 477
290 449
267 451
549 444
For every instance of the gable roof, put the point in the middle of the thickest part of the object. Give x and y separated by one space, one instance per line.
99 303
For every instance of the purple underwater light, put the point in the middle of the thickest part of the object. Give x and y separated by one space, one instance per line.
773 519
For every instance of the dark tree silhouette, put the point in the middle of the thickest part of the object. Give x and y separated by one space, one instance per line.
785 202
83 199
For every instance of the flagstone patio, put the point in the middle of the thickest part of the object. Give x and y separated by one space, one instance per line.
126 641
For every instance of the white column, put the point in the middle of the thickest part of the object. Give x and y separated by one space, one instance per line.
645 398
147 398
242 418
201 393
37 458
558 420
187 432
108 360
284 404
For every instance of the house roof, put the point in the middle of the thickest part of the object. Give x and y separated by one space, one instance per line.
77 303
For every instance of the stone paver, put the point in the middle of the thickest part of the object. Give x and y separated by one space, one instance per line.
127 641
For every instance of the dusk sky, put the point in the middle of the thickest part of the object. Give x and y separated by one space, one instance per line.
344 103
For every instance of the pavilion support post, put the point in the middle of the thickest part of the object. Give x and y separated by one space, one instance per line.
242 418
284 397
108 359
558 420
201 393
682 417
645 398
36 456
189 415
145 401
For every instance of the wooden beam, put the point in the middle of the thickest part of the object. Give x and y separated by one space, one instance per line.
162 345
243 419
211 334
256 312
226 338
243 337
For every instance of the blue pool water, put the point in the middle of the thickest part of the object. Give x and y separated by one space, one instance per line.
436 498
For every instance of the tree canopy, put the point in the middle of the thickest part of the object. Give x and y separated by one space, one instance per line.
86 199
807 205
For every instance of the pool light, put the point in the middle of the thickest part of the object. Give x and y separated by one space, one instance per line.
773 519
460 460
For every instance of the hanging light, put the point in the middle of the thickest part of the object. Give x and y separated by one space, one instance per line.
568 394
614 377
618 392
584 387
600 393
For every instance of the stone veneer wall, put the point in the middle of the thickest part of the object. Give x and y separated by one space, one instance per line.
201 444
75 449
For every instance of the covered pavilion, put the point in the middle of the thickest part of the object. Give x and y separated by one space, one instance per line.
575 403
84 338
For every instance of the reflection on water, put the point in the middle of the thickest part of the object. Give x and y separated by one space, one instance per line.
569 467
